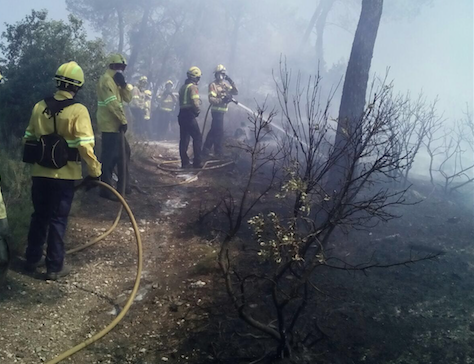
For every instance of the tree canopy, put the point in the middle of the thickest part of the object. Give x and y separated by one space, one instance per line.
34 48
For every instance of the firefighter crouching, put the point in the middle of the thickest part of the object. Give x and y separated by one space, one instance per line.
189 109
166 106
58 136
112 91
220 94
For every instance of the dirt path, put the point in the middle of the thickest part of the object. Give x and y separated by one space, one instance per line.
40 319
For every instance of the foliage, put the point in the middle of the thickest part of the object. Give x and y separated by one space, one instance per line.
34 48
16 192
292 237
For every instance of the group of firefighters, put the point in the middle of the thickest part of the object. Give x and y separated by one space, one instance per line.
59 135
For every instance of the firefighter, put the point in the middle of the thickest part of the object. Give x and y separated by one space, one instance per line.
189 109
138 106
112 91
147 116
61 129
220 94
166 105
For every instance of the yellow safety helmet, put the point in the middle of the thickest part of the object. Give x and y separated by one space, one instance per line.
116 58
148 93
220 68
1 77
70 73
194 72
143 79
169 82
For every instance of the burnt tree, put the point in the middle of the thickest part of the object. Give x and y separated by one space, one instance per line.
352 104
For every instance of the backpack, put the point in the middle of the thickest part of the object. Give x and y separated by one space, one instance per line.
51 150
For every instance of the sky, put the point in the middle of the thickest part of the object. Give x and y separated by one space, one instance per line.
432 51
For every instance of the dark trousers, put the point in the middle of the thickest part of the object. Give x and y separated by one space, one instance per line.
189 128
52 199
215 137
111 156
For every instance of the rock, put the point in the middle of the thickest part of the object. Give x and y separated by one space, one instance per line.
197 284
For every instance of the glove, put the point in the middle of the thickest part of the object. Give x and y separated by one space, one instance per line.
120 79
227 78
226 99
89 182
123 128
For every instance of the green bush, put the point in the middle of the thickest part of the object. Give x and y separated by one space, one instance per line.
34 48
16 187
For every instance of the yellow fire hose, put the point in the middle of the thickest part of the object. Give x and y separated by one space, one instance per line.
129 302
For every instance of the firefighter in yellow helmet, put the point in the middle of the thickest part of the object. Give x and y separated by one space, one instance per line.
220 94
59 135
138 106
167 102
112 91
189 109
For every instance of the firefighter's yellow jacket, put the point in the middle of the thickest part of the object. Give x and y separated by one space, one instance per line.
73 124
138 99
217 90
110 112
167 101
189 97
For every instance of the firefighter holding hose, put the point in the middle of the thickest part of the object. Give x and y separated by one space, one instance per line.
221 91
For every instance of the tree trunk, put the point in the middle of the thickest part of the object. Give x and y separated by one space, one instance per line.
310 26
120 29
320 26
355 83
138 40
234 39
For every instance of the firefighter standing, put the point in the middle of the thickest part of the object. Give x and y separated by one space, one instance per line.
189 109
52 191
112 91
220 94
166 106
138 106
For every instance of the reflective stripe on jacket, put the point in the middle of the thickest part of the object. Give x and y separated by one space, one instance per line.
73 124
138 99
167 102
189 97
217 90
110 98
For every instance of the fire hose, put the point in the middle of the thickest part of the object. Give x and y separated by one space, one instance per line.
129 302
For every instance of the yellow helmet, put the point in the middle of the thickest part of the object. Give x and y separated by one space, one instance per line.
169 82
148 93
70 73
116 58
194 72
143 79
1 77
220 68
